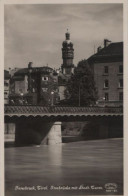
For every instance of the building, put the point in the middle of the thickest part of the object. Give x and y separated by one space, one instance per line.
34 85
67 56
67 68
45 86
6 86
107 66
12 71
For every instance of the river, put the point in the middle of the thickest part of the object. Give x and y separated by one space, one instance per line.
77 168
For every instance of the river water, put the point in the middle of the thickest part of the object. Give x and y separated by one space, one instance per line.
77 168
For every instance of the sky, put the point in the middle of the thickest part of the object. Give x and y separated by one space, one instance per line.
34 33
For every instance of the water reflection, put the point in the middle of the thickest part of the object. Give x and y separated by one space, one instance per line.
55 154
90 163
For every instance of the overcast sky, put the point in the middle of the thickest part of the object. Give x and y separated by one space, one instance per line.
36 32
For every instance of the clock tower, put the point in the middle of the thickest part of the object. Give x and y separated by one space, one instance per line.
67 56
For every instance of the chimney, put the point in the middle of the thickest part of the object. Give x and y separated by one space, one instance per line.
30 65
99 48
106 42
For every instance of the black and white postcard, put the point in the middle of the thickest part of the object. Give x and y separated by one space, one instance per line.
63 120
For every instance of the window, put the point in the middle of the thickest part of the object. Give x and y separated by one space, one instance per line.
33 90
106 69
121 83
120 68
55 80
45 78
44 89
106 96
121 96
106 84
20 90
6 84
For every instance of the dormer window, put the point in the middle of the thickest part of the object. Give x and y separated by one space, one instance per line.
45 78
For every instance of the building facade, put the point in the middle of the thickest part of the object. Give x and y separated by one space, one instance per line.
34 85
107 65
6 86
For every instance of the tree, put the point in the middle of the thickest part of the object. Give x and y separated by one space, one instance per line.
81 90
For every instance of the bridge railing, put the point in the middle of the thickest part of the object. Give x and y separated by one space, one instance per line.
61 110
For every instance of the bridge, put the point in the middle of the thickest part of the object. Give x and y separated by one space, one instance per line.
61 111
32 122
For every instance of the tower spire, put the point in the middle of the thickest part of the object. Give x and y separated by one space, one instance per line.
67 34
67 55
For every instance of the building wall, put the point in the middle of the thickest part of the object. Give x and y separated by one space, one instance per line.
6 91
21 86
41 85
49 89
113 78
61 92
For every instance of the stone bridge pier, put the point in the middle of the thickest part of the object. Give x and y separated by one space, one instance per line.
46 130
29 131
54 135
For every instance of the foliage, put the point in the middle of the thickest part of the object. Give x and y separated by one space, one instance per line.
81 90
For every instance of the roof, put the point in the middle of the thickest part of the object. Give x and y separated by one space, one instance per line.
60 111
112 49
25 71
21 71
113 52
18 78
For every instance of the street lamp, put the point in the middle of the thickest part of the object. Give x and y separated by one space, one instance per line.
80 92
52 98
104 100
22 97
30 71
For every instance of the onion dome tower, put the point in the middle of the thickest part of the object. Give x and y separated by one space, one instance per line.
67 56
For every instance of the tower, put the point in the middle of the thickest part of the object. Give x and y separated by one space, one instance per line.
67 55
